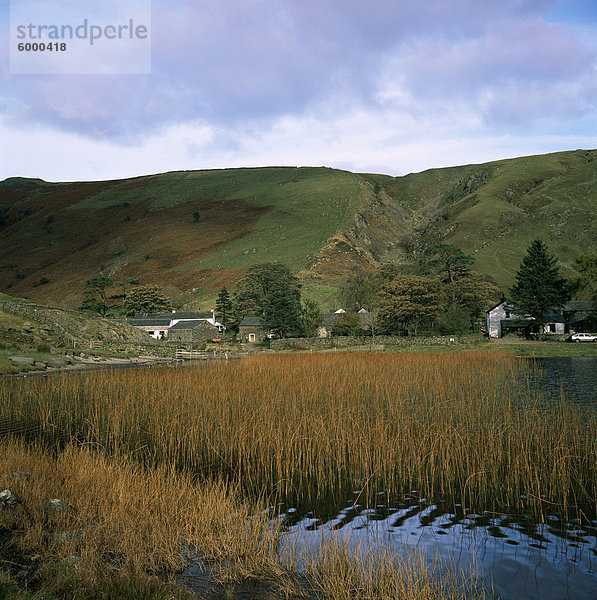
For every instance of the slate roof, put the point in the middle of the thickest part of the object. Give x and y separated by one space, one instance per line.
155 322
174 315
250 322
191 324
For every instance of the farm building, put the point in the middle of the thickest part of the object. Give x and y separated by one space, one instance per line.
193 331
250 329
573 316
159 325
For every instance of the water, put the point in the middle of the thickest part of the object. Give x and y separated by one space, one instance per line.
515 556
575 377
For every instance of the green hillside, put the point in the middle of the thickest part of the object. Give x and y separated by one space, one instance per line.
494 210
196 231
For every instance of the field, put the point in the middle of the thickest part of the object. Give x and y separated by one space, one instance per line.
167 459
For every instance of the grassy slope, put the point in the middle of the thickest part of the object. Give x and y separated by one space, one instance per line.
321 222
144 227
495 210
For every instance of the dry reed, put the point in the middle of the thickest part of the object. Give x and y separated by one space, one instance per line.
126 524
312 426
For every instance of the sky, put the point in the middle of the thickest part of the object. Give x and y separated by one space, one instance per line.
385 86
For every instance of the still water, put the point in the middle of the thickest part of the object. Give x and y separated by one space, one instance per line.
514 556
574 377
517 557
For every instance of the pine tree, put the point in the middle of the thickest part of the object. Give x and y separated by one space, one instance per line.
97 294
538 286
282 310
224 306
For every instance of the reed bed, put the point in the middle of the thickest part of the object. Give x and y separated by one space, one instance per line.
130 529
304 427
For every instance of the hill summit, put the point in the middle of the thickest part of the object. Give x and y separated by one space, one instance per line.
195 232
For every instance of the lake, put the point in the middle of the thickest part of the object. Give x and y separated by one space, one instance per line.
575 377
519 558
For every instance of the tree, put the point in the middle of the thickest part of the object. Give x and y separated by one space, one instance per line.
261 281
409 302
347 324
467 299
122 294
310 318
282 311
224 306
362 289
450 262
146 299
585 285
538 285
97 294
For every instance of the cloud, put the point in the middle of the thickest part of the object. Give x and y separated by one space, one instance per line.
243 71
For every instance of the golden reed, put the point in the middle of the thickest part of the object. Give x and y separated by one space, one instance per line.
304 426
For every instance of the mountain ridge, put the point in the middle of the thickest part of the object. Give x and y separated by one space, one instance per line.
197 231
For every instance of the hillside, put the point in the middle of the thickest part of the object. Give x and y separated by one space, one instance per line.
196 231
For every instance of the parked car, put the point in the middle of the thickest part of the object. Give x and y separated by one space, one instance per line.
583 337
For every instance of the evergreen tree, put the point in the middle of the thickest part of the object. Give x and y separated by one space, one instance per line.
252 293
282 310
96 290
146 299
449 261
311 318
224 307
538 286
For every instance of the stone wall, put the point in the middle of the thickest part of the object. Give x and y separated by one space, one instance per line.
162 350
384 340
245 330
75 329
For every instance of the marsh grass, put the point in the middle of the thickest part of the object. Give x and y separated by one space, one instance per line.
132 529
303 427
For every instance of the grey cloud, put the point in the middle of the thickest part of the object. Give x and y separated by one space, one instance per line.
239 62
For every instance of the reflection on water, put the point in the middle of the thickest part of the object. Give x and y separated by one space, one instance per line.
518 557
515 556
574 377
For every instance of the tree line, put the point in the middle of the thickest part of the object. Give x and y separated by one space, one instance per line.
440 293
105 297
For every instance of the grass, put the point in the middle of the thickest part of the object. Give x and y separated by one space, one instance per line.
544 349
8 320
132 529
305 207
157 462
144 226
509 204
522 348
310 426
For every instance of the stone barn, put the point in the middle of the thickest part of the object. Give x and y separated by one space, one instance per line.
252 330
193 332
